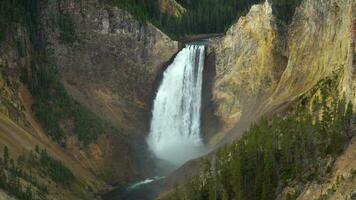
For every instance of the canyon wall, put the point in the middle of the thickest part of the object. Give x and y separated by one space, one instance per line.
263 64
19 128
108 62
109 67
249 63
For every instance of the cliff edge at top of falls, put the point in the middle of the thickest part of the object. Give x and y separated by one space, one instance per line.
262 65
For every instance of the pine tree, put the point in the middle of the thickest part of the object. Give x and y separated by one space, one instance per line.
6 156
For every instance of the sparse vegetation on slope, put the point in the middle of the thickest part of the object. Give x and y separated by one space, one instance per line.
52 105
24 177
297 147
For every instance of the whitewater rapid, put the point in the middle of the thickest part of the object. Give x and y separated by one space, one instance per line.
175 134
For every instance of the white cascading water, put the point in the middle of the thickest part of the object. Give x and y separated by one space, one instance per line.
175 126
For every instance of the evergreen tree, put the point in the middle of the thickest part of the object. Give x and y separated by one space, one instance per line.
281 150
6 156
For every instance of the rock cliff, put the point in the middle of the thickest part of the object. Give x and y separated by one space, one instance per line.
108 61
171 7
249 63
262 64
110 67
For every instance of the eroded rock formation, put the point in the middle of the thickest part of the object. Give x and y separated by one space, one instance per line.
263 65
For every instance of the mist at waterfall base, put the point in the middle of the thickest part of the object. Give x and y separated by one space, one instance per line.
175 126
175 135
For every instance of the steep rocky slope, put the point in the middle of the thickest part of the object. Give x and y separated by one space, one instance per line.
108 62
119 58
262 65
249 63
19 129
110 67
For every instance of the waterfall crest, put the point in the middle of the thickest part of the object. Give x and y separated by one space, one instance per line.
175 126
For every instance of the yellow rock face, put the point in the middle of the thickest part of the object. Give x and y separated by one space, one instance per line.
318 42
262 66
349 86
171 7
249 63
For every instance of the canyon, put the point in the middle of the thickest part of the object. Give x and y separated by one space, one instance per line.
114 67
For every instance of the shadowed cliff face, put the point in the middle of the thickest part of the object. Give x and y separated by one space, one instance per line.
109 67
263 65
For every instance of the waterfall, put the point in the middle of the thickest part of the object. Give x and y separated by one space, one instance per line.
175 126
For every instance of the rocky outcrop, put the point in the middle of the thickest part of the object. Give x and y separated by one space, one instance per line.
113 63
109 64
318 42
171 7
263 65
249 63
